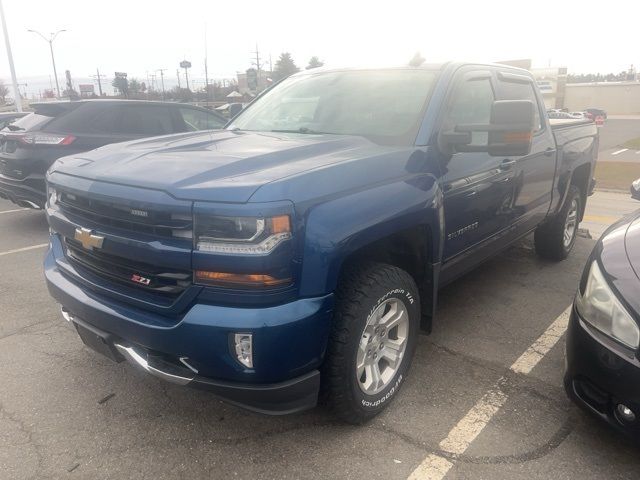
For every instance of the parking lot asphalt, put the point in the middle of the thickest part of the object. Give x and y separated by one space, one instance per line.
66 412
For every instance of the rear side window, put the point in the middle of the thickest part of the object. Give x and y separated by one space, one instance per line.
522 91
195 119
90 118
147 120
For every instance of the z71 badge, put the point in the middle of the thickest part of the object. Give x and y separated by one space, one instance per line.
140 279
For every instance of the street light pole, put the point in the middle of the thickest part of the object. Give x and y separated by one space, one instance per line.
14 80
52 37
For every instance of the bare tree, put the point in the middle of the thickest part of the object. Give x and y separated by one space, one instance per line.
4 91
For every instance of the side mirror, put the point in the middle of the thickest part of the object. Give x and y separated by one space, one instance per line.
510 131
234 109
635 189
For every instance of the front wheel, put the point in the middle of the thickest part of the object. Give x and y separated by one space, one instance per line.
373 340
555 239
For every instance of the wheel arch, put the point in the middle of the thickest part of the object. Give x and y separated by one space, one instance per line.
395 224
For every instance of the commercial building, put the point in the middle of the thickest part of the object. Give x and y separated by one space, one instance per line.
617 98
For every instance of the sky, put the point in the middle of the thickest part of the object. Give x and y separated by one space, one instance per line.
141 36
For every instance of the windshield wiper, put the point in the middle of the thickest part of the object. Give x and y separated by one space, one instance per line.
14 128
300 130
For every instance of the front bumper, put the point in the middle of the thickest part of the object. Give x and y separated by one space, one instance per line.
600 374
29 192
289 342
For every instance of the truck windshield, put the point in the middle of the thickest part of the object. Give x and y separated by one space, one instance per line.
383 105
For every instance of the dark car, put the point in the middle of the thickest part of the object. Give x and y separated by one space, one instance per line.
9 117
603 339
596 112
29 146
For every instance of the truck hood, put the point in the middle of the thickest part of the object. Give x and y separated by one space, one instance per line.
224 166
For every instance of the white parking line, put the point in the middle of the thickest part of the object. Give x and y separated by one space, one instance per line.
16 210
620 151
24 249
436 467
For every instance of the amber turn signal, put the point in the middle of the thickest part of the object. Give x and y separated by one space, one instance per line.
280 224
239 279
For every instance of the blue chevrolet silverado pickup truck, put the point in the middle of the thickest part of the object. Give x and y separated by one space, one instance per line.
296 255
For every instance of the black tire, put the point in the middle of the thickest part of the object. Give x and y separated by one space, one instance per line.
549 237
361 290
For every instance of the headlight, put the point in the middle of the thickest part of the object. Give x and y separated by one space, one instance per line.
241 235
601 308
52 195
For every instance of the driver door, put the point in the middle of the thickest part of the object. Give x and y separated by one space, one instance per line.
478 188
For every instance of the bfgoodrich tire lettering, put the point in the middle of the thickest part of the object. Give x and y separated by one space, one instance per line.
369 296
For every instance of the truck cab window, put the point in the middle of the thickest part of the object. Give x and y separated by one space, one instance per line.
471 103
144 120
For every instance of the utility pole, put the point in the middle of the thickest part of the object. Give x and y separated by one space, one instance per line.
162 70
258 67
14 80
52 37
98 77
206 70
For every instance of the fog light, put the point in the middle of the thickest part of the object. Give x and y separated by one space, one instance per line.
625 413
244 349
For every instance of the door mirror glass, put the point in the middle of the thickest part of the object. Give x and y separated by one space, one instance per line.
512 123
635 189
510 131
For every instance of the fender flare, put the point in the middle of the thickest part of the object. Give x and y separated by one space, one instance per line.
337 229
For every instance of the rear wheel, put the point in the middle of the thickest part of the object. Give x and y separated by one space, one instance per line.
372 342
555 239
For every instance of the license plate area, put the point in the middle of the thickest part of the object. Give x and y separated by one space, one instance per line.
97 340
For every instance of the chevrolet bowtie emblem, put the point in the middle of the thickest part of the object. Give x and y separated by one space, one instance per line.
88 239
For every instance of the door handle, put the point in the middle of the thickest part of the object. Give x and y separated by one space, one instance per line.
507 164
549 151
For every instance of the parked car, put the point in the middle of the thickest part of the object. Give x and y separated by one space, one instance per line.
29 146
596 112
9 117
290 254
603 339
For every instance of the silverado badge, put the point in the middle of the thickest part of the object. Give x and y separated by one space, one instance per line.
88 240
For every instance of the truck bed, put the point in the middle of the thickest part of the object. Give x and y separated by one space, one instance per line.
557 123
569 130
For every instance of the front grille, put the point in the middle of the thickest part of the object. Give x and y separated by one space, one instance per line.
138 220
166 282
